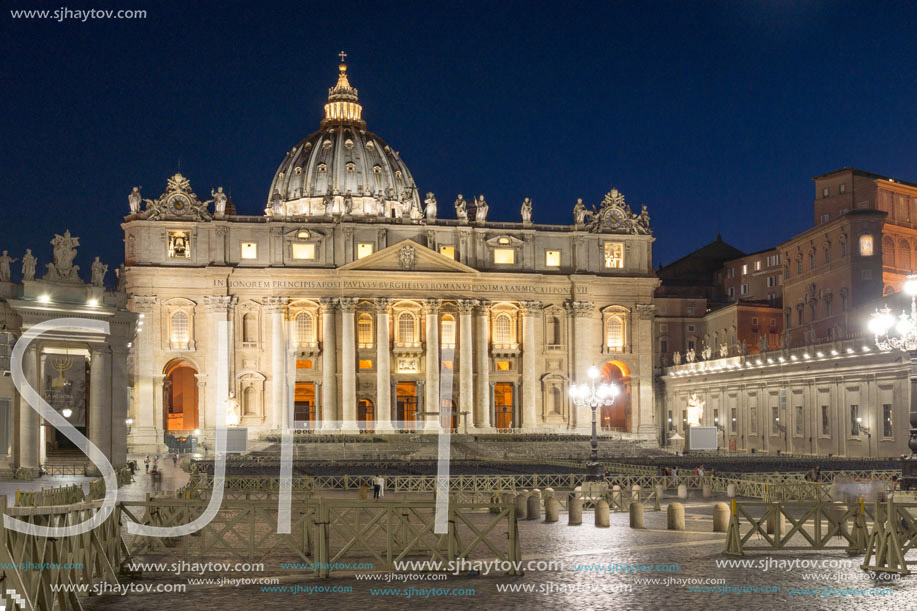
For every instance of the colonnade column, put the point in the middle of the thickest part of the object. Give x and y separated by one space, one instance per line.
530 309
329 397
431 399
644 347
146 431
582 330
275 307
99 409
119 404
348 361
220 309
466 358
483 389
29 455
383 366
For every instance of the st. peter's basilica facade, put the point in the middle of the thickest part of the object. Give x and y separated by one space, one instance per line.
352 303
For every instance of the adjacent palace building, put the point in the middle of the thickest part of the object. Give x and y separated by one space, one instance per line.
351 303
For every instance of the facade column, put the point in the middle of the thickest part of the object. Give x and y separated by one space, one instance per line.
483 388
99 408
29 433
431 398
147 429
530 309
383 366
348 361
582 330
220 308
275 307
644 346
329 364
119 405
466 362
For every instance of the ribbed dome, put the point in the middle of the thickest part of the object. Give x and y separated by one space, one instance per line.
343 168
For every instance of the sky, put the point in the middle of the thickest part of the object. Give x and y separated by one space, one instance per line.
716 115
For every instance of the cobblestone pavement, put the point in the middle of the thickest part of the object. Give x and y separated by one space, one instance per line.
691 556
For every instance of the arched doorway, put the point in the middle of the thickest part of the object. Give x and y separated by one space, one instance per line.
406 413
366 415
448 417
616 417
179 400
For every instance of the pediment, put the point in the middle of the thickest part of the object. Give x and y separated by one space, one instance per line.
408 256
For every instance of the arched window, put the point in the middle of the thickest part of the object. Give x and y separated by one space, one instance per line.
614 333
250 328
181 332
305 329
904 255
365 330
888 253
406 328
503 330
448 331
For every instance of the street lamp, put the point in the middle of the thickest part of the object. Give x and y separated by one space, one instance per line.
594 394
904 338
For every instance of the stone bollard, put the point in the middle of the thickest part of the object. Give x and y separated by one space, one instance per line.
731 491
602 514
574 510
551 509
771 522
706 491
636 515
635 493
720 517
533 509
660 490
616 499
548 493
675 516
521 506
836 512
682 491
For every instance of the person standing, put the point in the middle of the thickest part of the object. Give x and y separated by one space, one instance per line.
376 486
146 462
381 486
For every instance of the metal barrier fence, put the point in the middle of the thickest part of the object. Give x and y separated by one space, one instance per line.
894 534
325 531
68 495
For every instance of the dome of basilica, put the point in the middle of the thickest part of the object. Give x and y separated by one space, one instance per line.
343 169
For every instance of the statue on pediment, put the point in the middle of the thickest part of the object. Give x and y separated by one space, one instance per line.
615 216
430 207
29 261
527 211
461 208
99 270
580 212
219 202
348 203
481 209
177 202
676 358
64 251
407 257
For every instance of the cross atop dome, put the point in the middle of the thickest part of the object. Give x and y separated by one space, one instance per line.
343 56
343 104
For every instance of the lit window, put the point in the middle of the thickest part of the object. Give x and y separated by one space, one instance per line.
181 332
304 251
744 268
448 331
503 330
824 192
179 245
447 365
503 241
614 333
305 329
552 258
504 256
303 234
364 249
406 328
842 188
866 245
825 218
249 250
366 363
304 364
503 366
757 266
365 330
447 251
614 255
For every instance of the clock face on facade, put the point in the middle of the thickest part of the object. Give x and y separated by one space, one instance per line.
179 204
614 218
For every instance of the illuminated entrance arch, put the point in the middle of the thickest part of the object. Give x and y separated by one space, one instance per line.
179 396
617 416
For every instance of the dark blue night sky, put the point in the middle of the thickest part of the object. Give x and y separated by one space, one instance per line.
715 115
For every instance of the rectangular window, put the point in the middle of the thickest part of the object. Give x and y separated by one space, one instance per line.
366 363
842 188
798 266
843 249
614 255
503 366
364 249
800 423
888 430
690 309
504 256
754 322
552 258
758 265
824 192
447 251
744 269
825 217
447 365
692 328
773 323
179 245
745 289
811 260
304 364
732 420
731 291
753 420
249 250
827 256
800 315
304 251
731 272
825 421
771 281
775 420
854 416
663 346
866 249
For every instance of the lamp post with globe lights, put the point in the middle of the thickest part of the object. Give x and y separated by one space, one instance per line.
900 333
594 394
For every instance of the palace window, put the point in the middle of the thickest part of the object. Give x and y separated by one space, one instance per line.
503 330
744 269
179 245
447 251
552 258
614 333
305 329
180 332
504 256
448 331
842 188
405 328
365 330
614 255
249 250
364 249
366 363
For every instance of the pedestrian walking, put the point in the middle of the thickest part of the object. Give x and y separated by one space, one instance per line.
175 460
376 486
381 486
146 462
